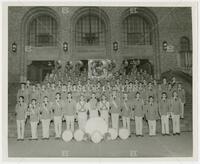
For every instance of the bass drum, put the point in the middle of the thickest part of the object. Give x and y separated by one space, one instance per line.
79 135
67 135
96 137
123 133
112 134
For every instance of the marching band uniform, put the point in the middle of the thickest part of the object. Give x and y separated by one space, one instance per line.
20 109
176 112
115 110
104 110
34 119
23 92
138 105
69 111
151 109
164 111
181 95
57 108
126 107
45 118
82 107
93 108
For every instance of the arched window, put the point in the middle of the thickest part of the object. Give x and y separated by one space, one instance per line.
137 31
42 31
90 30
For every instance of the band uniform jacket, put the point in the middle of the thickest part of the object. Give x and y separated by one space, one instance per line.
138 106
164 107
115 105
175 106
57 107
21 110
34 113
151 111
126 107
69 107
181 94
45 111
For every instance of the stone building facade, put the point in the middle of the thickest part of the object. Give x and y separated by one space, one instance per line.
171 25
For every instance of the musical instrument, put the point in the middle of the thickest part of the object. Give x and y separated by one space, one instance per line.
96 137
67 135
79 135
123 133
113 134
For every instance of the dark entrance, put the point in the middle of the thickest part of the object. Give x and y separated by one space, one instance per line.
37 70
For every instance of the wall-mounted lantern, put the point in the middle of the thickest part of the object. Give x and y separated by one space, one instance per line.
165 44
115 46
65 46
14 47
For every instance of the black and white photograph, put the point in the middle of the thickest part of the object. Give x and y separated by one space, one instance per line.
93 81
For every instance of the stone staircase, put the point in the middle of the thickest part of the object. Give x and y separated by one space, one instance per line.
186 123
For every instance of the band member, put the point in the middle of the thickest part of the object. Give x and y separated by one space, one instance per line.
93 106
34 94
34 118
69 111
138 105
151 109
64 92
151 92
164 85
43 93
181 95
126 107
176 112
24 93
45 111
57 108
115 110
164 111
82 108
52 92
20 109
104 107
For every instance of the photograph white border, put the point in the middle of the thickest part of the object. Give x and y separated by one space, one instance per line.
161 3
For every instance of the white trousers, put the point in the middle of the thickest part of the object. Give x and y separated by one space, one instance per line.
152 127
58 125
45 128
182 110
165 124
115 121
82 119
138 125
93 113
34 129
20 129
126 123
69 122
176 123
104 115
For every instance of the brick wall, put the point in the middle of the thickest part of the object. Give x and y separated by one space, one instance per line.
172 22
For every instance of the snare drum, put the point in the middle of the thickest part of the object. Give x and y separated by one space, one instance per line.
79 135
67 135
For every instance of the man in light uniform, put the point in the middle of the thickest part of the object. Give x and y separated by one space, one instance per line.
164 111
175 108
181 95
104 107
138 105
20 109
82 108
57 108
93 106
69 111
45 111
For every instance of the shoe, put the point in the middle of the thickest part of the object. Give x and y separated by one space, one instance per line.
142 135
163 134
178 134
168 134
18 139
174 134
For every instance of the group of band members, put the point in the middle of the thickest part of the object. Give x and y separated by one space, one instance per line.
113 99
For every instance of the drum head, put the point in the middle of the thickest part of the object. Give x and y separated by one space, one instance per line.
113 133
96 124
67 135
78 135
96 137
123 133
